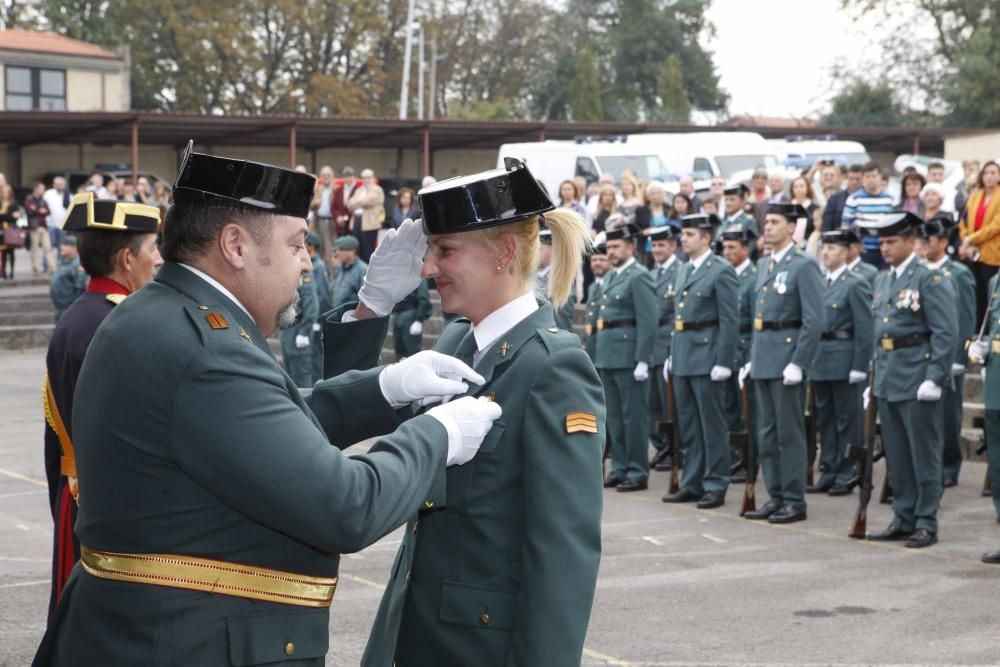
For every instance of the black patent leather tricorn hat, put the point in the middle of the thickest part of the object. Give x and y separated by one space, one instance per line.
255 185
482 200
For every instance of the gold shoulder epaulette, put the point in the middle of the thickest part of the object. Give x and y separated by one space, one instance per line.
116 298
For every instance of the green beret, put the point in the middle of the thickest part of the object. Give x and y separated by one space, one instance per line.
313 240
346 243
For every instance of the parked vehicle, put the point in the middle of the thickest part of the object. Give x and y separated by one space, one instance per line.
802 152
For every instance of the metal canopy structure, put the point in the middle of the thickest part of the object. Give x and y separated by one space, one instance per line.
20 129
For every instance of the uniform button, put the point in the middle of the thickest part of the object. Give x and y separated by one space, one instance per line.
764 289
202 307
788 340
684 293
680 305
626 336
289 648
885 319
603 307
484 618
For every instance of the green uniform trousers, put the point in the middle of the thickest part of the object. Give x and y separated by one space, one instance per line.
627 403
911 436
838 422
701 422
657 407
781 438
951 460
993 455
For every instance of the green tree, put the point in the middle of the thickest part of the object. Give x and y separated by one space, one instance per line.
861 103
674 104
585 93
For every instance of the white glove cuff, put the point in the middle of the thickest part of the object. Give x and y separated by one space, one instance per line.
454 433
382 385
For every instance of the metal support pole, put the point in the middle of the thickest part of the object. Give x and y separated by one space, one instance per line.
427 150
432 93
135 150
404 89
420 73
916 144
293 131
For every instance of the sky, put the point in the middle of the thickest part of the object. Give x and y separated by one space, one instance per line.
775 56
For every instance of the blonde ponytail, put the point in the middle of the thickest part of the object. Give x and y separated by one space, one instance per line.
570 240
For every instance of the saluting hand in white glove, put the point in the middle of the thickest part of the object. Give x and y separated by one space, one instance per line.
394 268
467 420
428 376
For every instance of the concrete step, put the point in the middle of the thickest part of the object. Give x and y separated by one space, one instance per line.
26 337
41 281
25 317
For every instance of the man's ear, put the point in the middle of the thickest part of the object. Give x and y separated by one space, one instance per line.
233 245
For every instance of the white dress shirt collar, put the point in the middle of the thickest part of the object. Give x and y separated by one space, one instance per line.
502 320
217 285
836 274
666 264
780 255
743 267
696 263
899 270
854 264
625 266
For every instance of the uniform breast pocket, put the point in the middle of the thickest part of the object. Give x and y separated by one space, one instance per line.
478 606
492 440
278 636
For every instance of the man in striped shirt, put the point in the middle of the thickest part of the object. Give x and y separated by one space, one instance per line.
871 199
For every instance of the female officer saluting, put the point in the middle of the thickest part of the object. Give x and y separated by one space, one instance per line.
505 573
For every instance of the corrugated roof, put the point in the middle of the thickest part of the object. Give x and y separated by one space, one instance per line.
50 42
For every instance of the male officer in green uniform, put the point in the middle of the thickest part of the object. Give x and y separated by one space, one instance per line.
702 356
626 328
788 322
564 314
297 340
408 321
736 217
736 246
840 369
916 332
986 351
70 280
350 271
599 267
856 266
213 506
324 295
664 245
932 246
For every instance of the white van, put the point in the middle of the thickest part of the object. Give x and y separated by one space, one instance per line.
704 155
802 152
553 162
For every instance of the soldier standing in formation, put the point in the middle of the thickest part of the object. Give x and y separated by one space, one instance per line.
736 246
788 321
706 331
840 370
736 217
351 271
626 328
297 340
856 266
599 267
117 247
70 280
324 295
932 246
664 247
916 332
987 352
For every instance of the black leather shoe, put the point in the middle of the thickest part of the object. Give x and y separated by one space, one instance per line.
992 557
711 500
788 514
682 496
769 508
920 539
739 477
633 485
950 482
839 490
611 481
890 534
822 487
664 465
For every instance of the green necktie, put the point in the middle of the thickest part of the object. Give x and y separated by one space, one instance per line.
467 348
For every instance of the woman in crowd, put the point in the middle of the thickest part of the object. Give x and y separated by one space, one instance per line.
631 198
980 233
801 193
160 197
405 208
569 197
113 189
11 214
910 189
655 213
680 206
607 204
485 580
932 197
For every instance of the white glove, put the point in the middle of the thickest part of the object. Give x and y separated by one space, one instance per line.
978 350
394 269
791 376
416 328
928 391
743 375
427 376
301 341
854 377
641 372
866 397
720 373
317 326
957 369
467 421
666 371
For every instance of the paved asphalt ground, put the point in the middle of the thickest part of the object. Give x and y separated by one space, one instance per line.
678 586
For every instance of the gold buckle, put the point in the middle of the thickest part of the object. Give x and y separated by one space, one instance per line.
888 344
679 325
589 329
995 347
600 324
758 324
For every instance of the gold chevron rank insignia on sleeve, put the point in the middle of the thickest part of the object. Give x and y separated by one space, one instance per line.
217 321
581 422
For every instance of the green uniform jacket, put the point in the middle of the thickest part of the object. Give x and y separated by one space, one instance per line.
793 291
348 281
748 283
921 302
964 284
848 307
991 387
505 574
190 439
710 293
590 325
628 295
664 286
68 283
741 222
321 275
564 314
866 271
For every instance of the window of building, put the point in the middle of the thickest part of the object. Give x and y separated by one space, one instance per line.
34 88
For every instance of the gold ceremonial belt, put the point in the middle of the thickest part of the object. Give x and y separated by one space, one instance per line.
211 576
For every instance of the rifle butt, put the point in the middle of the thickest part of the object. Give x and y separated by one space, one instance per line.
859 530
749 503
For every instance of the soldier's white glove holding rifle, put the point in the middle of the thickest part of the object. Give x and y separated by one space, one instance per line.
854 377
743 375
641 372
792 375
720 374
928 391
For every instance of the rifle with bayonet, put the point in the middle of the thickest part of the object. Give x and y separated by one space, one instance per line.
866 458
810 417
675 456
749 455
